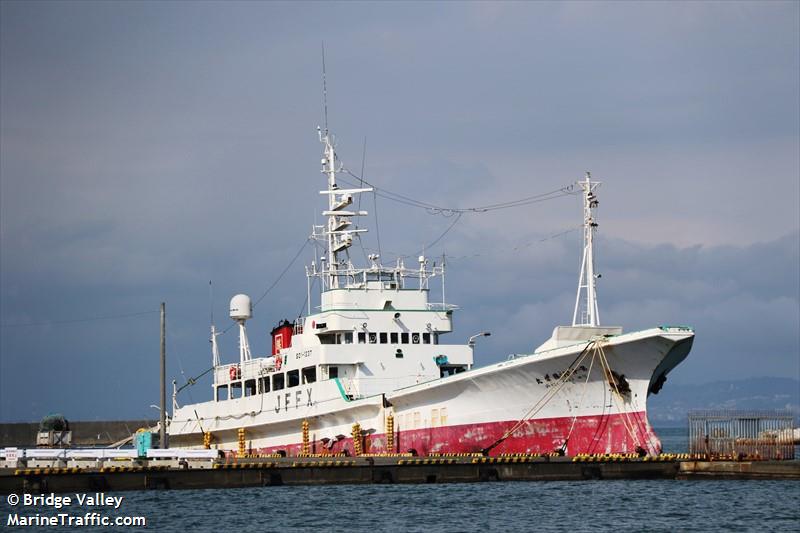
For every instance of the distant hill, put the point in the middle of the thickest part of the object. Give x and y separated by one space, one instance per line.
669 407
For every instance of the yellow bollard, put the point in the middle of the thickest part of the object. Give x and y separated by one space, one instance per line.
390 433
242 446
306 444
356 439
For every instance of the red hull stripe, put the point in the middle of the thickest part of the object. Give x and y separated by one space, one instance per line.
591 434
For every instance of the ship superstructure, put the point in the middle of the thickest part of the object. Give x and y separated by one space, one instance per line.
371 370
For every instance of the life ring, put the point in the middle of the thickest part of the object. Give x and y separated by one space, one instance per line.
234 372
278 362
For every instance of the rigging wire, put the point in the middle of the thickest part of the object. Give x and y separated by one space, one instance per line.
451 211
377 228
440 237
543 239
515 248
363 163
361 185
283 273
274 283
305 299
180 362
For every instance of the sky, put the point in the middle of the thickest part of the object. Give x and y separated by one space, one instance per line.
147 148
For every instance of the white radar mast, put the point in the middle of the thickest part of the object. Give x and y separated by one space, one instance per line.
586 313
338 231
242 309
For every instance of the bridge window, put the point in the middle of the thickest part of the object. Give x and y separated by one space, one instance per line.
435 338
362 337
348 337
236 389
373 338
384 338
309 374
263 383
404 338
293 378
415 338
250 387
277 381
393 338
222 393
333 372
426 338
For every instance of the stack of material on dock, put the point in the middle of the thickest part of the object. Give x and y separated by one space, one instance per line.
84 433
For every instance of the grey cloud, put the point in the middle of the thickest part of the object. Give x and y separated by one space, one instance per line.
148 148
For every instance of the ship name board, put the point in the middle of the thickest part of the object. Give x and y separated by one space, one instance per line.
296 400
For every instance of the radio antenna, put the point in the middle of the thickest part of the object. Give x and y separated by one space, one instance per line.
211 299
324 89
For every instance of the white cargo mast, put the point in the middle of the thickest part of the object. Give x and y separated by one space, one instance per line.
586 313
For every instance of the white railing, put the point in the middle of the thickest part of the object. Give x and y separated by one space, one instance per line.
439 306
249 370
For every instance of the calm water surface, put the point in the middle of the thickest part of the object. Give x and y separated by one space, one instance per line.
513 506
624 506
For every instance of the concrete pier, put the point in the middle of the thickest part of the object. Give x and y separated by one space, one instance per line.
366 470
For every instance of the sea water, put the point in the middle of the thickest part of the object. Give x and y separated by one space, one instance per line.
623 506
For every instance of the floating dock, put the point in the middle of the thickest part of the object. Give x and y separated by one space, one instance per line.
255 472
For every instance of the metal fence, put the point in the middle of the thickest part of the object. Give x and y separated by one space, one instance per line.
742 434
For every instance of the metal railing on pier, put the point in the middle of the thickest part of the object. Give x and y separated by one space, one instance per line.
742 434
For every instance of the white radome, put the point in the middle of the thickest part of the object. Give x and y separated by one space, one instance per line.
241 307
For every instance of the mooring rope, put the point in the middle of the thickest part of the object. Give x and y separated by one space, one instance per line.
580 402
539 405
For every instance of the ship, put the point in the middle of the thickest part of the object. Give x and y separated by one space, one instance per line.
370 370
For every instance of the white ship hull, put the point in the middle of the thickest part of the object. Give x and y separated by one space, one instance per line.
468 412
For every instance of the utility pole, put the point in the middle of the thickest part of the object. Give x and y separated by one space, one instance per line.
163 433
